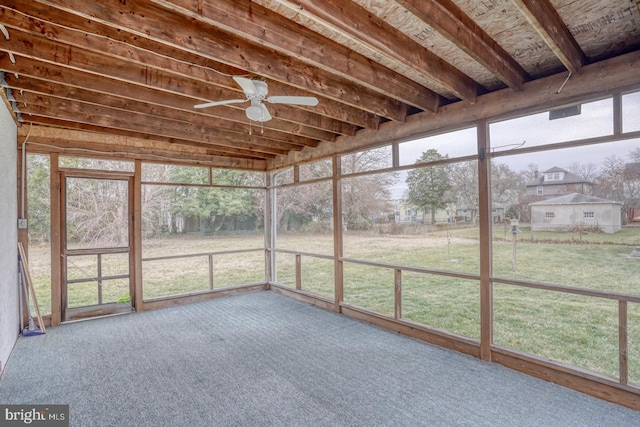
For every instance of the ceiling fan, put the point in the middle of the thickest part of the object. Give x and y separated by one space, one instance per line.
256 91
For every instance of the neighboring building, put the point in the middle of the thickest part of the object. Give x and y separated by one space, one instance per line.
497 212
564 212
470 214
556 182
405 213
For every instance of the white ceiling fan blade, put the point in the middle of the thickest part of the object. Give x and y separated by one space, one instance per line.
266 116
311 101
246 85
216 103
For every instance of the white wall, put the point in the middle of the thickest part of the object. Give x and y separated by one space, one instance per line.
607 217
9 315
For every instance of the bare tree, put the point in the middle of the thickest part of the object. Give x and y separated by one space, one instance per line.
587 171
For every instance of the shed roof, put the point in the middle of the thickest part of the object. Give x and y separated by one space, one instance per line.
574 199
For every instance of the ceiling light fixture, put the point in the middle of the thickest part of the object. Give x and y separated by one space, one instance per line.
4 31
254 113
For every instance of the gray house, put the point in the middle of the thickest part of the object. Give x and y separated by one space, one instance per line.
564 212
555 182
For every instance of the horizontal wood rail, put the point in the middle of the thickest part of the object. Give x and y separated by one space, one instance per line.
413 269
309 254
96 251
569 290
202 254
98 278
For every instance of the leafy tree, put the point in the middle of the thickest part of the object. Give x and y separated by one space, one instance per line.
212 207
429 186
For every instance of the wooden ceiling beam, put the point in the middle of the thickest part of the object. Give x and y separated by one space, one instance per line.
63 127
147 20
149 153
39 11
357 22
109 118
196 79
71 78
451 22
247 19
43 116
42 88
547 22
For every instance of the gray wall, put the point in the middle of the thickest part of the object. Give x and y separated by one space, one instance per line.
9 322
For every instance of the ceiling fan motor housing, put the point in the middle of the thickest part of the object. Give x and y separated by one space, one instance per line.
261 90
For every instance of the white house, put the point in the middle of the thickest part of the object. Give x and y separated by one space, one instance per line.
564 212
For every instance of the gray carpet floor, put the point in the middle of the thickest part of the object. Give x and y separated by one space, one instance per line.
262 359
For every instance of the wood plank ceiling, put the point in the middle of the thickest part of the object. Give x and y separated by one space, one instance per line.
104 75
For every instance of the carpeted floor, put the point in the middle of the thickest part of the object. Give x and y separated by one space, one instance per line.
263 359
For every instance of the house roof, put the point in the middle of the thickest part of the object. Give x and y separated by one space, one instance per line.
569 178
110 76
574 199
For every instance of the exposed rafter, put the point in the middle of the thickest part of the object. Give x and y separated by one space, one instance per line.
136 69
545 19
355 21
450 21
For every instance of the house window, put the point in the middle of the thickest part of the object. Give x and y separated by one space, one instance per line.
555 176
549 215
539 190
588 215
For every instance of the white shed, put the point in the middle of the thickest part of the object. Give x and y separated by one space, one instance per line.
564 212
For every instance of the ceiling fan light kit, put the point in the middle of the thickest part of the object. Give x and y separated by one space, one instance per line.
256 92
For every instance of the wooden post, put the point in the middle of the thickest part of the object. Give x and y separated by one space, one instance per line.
337 235
56 240
23 209
298 272
210 271
484 202
137 287
23 205
398 293
623 342
268 230
99 278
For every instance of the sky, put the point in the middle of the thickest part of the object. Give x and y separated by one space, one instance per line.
595 119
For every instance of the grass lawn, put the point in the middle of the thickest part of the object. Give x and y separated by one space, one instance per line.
581 331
